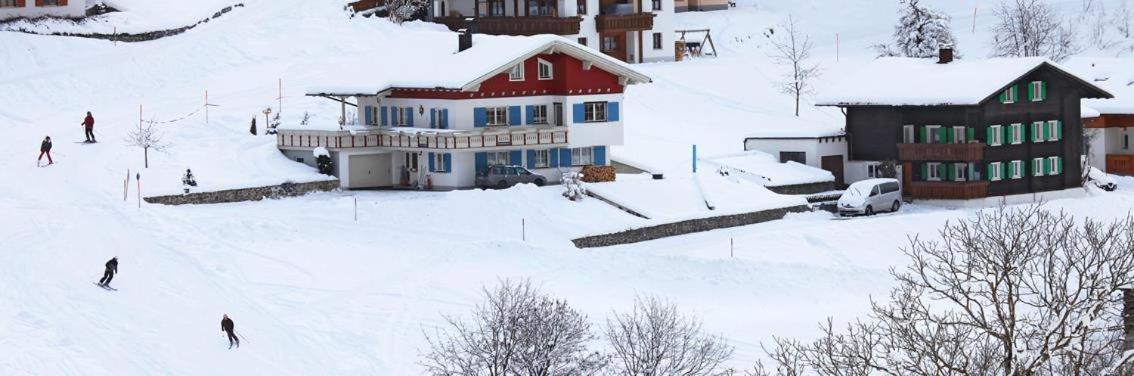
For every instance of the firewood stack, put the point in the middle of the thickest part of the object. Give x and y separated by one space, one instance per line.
598 174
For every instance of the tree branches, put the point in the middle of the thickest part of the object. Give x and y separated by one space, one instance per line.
793 48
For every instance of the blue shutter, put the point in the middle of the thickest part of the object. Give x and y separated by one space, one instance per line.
514 115
515 157
553 158
384 116
433 118
432 168
599 152
480 118
409 119
529 114
580 113
565 157
445 119
481 162
448 159
611 111
531 159
394 116
369 115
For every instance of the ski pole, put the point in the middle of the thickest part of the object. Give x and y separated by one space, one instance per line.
240 335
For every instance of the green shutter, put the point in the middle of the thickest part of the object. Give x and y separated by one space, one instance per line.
925 135
1043 90
988 135
1016 93
941 135
1003 171
1007 134
970 134
1004 96
1059 130
1031 92
925 171
948 171
1046 130
1059 165
991 167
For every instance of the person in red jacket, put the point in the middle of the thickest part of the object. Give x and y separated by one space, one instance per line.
88 123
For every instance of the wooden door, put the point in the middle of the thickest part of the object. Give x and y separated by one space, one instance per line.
1120 164
834 164
613 44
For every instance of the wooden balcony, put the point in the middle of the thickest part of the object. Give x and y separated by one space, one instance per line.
516 25
941 152
624 22
1120 164
947 190
423 139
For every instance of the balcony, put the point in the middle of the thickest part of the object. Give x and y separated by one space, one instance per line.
947 190
387 138
941 152
516 25
624 22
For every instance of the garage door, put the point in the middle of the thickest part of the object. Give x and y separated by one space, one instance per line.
834 164
369 171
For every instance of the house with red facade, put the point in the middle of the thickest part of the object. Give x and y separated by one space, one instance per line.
542 102
42 8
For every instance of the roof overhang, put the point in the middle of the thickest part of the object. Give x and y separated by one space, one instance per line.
627 75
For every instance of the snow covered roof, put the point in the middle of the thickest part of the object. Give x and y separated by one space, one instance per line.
1115 75
464 70
898 81
770 171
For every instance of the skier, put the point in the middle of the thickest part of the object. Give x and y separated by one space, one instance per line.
88 123
228 327
111 268
45 149
188 180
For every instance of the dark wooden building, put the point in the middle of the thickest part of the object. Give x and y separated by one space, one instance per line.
968 129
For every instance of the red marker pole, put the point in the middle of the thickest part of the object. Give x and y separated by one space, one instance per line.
139 178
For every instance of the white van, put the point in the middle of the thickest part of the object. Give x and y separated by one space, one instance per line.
871 196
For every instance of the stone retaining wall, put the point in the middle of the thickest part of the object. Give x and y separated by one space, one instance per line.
246 194
685 227
804 189
127 37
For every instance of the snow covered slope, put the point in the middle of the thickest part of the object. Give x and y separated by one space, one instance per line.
315 292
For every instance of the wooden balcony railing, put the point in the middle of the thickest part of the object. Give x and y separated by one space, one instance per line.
947 190
1120 164
516 25
624 22
422 140
941 152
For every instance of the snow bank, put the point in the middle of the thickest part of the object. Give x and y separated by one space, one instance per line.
678 197
769 171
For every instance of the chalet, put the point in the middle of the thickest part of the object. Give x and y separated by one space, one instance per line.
42 8
699 5
542 102
1111 126
968 129
633 31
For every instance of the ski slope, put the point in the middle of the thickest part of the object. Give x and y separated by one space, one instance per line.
316 292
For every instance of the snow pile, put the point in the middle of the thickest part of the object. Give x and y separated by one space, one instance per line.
764 168
682 197
134 16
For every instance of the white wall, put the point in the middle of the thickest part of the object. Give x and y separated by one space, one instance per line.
663 23
461 110
73 9
813 148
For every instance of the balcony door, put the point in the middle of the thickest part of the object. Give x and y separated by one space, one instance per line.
558 115
614 45
491 8
544 8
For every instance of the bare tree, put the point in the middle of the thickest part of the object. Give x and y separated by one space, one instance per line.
516 331
787 356
1032 28
793 48
147 136
1012 292
399 11
655 339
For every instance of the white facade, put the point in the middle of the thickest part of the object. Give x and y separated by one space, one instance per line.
813 149
52 8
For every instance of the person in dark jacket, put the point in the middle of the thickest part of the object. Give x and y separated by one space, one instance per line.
88 123
111 268
45 149
228 327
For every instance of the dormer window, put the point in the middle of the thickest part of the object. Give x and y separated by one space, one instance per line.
1037 91
517 73
1009 95
544 69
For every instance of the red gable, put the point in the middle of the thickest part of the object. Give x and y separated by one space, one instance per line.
568 78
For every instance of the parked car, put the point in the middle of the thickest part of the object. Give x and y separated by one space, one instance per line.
506 176
1101 179
871 196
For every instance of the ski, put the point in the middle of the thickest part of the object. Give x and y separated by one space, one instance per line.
104 287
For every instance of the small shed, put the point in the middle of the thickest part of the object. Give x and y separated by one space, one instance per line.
819 148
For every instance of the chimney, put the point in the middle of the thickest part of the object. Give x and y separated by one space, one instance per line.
945 55
464 40
1128 319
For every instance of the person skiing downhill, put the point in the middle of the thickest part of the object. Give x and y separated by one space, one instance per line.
88 123
228 327
111 268
45 149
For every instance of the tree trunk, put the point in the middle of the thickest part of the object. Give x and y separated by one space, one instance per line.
146 153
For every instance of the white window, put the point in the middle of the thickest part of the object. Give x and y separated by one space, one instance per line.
995 135
1017 134
374 116
1037 167
544 69
994 171
439 162
496 116
1054 167
1053 130
908 134
1010 95
7 3
595 111
934 133
959 135
539 114
960 171
934 170
1016 169
498 158
1037 131
403 115
517 73
872 171
1037 91
542 158
581 156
